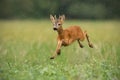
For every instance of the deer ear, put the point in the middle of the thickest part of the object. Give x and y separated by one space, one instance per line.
62 18
52 18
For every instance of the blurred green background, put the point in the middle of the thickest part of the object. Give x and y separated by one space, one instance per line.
27 40
85 9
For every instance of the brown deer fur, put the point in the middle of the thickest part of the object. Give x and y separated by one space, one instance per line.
67 36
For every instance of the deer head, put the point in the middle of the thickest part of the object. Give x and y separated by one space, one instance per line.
57 22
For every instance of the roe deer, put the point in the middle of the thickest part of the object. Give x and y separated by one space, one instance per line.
67 36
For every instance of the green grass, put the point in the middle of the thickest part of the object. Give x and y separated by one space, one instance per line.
26 46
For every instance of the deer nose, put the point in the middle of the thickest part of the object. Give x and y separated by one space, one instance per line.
54 28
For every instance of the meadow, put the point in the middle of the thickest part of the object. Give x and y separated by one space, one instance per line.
27 45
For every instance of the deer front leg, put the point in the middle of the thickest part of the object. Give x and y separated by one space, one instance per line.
57 52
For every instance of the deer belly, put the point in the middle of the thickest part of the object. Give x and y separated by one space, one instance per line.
66 42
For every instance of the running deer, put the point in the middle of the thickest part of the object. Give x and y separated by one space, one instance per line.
67 36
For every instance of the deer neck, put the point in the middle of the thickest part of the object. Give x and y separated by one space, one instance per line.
60 31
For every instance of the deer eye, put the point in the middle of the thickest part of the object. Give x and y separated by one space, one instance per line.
59 24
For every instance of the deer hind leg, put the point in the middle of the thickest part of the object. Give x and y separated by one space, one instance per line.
80 44
57 52
87 37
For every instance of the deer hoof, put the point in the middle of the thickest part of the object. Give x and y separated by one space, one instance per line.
59 53
90 45
81 46
51 57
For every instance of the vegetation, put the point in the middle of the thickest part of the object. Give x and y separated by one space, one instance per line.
85 9
26 46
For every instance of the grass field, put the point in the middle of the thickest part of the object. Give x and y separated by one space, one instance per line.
26 46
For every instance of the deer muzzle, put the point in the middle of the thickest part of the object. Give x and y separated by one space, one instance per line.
54 28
